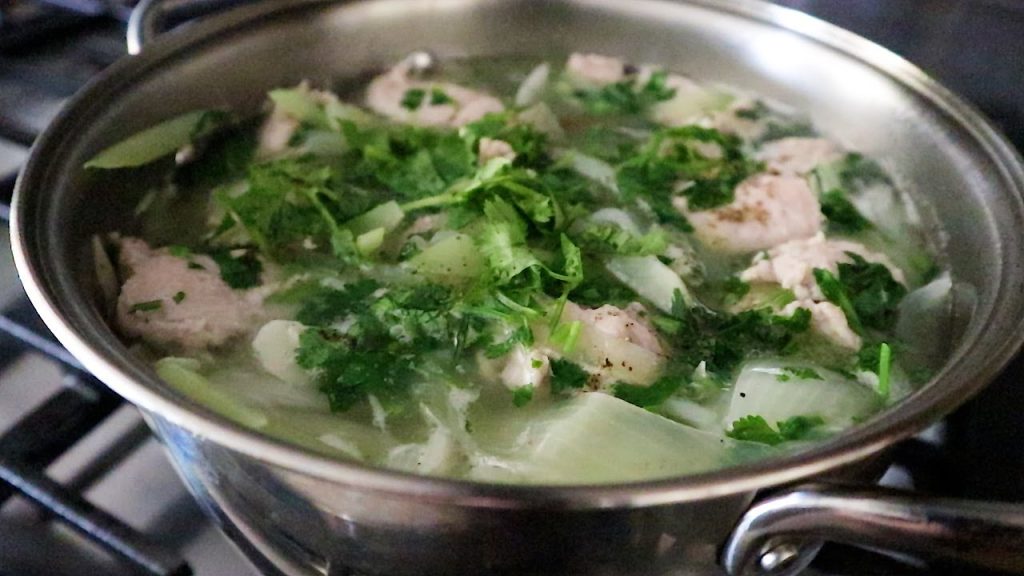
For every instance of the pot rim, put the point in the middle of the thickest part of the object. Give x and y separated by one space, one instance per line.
142 387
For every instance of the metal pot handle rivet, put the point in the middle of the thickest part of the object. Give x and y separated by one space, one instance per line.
780 535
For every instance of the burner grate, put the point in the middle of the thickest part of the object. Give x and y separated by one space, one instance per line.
47 432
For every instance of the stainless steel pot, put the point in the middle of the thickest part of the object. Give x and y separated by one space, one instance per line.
296 512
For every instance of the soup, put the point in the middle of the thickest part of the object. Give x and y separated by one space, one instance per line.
496 270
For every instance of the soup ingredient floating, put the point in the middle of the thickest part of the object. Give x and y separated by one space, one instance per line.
579 272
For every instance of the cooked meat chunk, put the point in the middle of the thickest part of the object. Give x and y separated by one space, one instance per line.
439 103
798 156
589 71
491 148
791 265
169 302
626 324
525 367
614 345
828 321
767 210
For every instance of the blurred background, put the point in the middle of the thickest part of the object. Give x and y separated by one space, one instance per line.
69 444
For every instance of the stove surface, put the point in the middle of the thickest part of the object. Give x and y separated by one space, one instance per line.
49 49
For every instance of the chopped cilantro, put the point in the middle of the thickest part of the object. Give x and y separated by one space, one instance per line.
566 375
219 159
148 306
857 171
521 335
521 396
179 251
799 427
239 267
408 162
755 429
724 340
674 156
884 369
627 96
734 289
649 396
835 293
843 217
529 144
607 238
413 98
865 291
439 97
802 373
322 305
566 334
346 374
179 297
873 291
287 202
755 112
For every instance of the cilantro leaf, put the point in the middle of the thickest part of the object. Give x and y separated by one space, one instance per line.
803 373
566 375
346 375
322 305
627 96
408 161
648 396
875 294
799 427
529 144
147 306
239 267
755 429
522 396
866 292
843 217
884 369
835 293
502 243
286 202
608 238
413 98
724 340
439 97
676 155
522 334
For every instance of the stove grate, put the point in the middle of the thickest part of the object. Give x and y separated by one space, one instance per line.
47 432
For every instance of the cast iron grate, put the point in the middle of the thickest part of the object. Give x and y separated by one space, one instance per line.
48 431
43 66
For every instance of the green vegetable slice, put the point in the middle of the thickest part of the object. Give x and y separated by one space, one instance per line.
150 144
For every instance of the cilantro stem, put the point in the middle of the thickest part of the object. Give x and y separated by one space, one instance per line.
834 291
516 306
884 368
443 199
566 335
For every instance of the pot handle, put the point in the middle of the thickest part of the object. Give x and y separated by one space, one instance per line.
150 18
781 534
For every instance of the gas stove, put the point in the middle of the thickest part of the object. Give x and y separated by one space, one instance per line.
84 487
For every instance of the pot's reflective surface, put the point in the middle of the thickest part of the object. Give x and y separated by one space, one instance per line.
308 514
305 525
